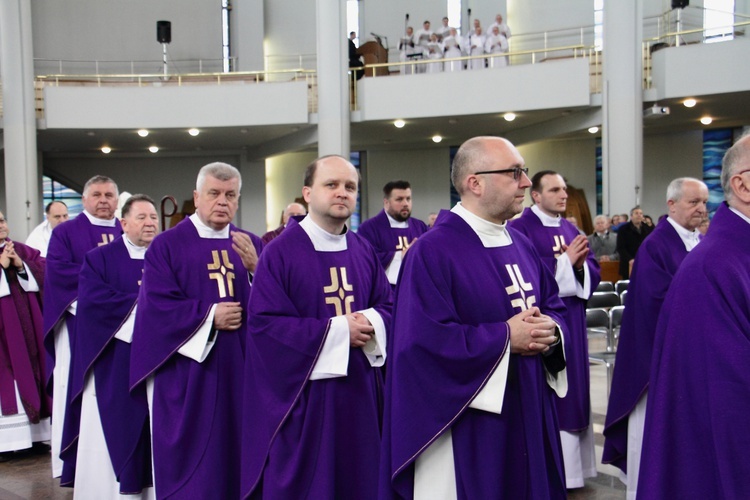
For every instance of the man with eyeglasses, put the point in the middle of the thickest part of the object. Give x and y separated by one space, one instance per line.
565 252
694 441
475 356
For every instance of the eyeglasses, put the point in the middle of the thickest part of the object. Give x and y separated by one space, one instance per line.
517 171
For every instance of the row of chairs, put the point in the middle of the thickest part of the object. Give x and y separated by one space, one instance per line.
603 319
609 294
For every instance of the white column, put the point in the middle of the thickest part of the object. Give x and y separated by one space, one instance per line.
622 104
252 212
333 82
22 192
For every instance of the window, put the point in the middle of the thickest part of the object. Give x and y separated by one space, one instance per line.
718 20
53 190
454 15
226 58
598 24
352 19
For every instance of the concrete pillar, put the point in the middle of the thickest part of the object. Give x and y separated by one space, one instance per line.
333 82
622 105
23 200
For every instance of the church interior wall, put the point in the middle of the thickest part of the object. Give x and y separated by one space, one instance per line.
284 176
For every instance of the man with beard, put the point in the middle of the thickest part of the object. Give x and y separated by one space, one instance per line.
393 230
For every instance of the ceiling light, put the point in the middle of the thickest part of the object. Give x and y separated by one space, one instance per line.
509 117
91 133
706 120
436 139
399 123
243 131
689 103
153 149
143 132
593 130
194 132
106 150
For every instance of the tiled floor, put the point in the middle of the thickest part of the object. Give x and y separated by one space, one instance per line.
28 476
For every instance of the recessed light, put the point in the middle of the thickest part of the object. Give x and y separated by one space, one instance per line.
707 120
91 133
399 123
106 150
153 149
593 130
243 131
436 139
143 132
689 103
509 117
194 132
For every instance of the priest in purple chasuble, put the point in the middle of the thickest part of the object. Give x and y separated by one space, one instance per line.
291 210
655 265
567 255
188 345
24 404
317 323
476 352
113 446
694 441
94 227
393 230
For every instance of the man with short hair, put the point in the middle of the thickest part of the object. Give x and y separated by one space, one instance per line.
393 230
475 353
24 405
602 242
694 445
655 265
69 243
630 235
502 27
317 336
188 345
291 210
56 212
113 447
443 31
565 252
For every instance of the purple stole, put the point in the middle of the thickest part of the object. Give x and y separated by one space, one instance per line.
574 410
107 291
21 349
196 409
657 261
698 398
387 240
301 437
450 333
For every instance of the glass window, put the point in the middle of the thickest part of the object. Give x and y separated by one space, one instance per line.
718 20
53 190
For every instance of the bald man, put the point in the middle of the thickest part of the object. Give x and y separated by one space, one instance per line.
291 210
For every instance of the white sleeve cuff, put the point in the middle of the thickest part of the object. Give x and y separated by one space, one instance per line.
565 277
198 347
4 287
29 284
559 381
393 268
125 333
491 397
584 291
375 348
334 357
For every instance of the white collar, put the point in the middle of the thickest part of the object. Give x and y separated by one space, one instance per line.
207 232
135 252
394 223
492 235
547 221
96 221
322 240
743 216
689 238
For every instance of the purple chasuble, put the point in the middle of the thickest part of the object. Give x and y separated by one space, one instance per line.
270 235
196 408
574 410
694 445
387 240
657 261
21 349
450 333
303 438
107 292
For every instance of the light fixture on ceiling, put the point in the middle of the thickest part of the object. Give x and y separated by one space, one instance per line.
707 120
689 103
436 139
593 130
509 117
243 131
154 149
143 132
106 150
399 123
194 132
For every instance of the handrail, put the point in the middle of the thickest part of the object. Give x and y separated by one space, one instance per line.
692 31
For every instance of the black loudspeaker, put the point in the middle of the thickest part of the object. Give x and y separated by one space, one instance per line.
163 31
680 4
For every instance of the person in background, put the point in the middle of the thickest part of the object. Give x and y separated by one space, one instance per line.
56 212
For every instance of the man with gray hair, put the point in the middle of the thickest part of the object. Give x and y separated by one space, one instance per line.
699 371
655 265
189 341
69 243
602 241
